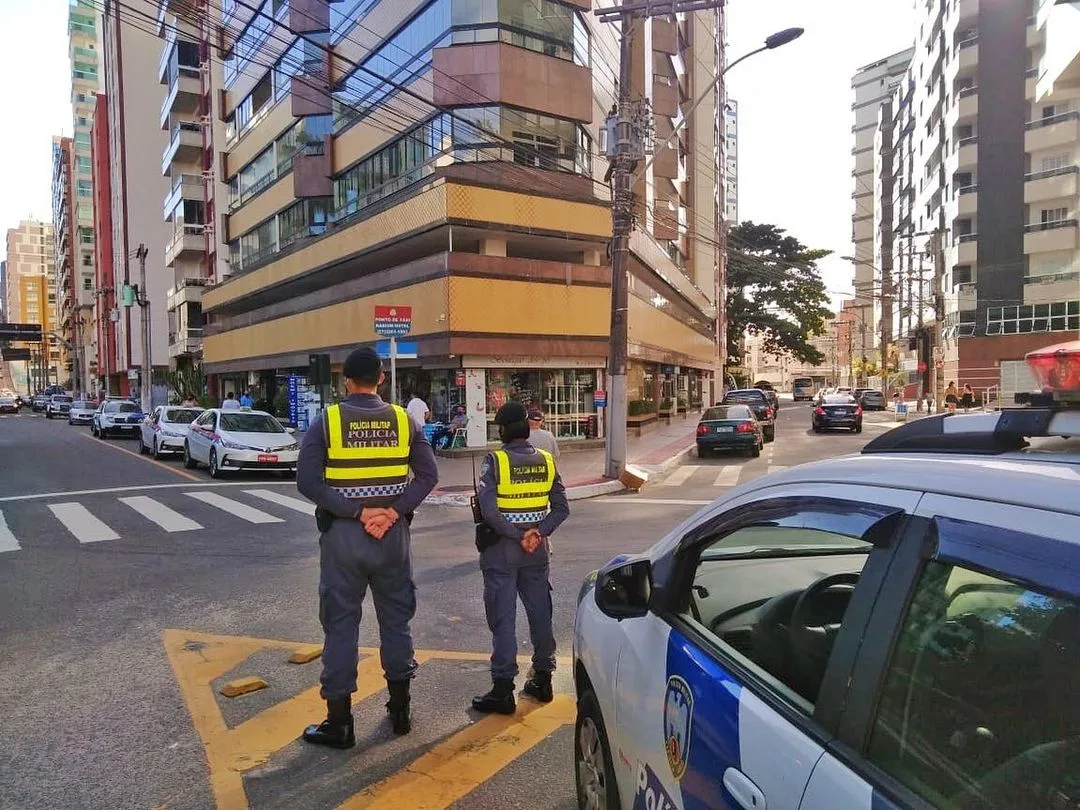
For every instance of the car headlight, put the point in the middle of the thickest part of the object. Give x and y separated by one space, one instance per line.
230 445
293 446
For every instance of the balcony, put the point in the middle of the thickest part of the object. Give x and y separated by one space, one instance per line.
187 241
1041 237
967 11
962 298
185 341
1054 184
185 291
967 248
1052 132
968 54
967 103
967 201
166 54
184 187
1050 289
967 153
183 95
186 144
1034 35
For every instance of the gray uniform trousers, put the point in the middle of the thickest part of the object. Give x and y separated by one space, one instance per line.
350 561
510 573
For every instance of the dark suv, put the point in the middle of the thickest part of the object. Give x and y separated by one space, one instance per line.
760 403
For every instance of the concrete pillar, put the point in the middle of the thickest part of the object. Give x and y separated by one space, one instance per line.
493 247
476 406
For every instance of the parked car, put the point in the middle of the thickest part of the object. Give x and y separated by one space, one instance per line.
235 440
872 400
38 403
58 406
759 403
770 394
895 629
116 417
729 427
837 411
82 412
9 404
166 428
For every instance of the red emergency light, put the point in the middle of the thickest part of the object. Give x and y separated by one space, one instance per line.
1056 368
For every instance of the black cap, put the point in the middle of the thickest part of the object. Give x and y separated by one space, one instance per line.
362 364
510 414
535 415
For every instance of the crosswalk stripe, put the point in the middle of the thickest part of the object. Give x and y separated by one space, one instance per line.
728 476
680 475
306 507
7 539
241 510
78 520
159 513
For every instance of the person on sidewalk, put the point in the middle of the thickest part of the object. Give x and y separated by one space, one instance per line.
967 398
230 403
952 398
540 437
355 463
522 499
418 409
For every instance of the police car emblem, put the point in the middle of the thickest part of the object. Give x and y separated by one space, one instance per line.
678 717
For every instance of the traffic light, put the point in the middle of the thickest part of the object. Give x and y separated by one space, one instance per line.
319 369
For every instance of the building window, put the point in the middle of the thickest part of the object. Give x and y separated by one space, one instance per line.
1054 162
536 25
84 188
1057 317
1049 215
87 283
82 138
251 38
307 133
302 219
83 164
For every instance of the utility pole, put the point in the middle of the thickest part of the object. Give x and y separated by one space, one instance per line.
939 315
146 375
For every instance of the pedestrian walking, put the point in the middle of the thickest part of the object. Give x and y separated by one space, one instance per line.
230 403
522 501
539 437
952 397
355 463
247 400
417 408
967 398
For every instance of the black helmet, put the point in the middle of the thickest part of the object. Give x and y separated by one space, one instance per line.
511 413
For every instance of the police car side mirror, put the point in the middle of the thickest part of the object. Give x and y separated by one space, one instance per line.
290 430
624 590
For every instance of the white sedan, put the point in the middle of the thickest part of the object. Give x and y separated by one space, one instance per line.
226 440
166 429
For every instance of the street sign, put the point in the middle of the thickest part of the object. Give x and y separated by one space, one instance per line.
599 399
406 350
15 354
393 321
20 331
939 362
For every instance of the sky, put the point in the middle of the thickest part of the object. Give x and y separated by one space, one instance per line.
794 110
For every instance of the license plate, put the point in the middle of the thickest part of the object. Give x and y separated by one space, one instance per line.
725 430
267 458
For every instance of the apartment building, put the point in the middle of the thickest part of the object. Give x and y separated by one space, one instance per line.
64 261
31 296
441 155
80 314
871 86
731 161
984 169
129 192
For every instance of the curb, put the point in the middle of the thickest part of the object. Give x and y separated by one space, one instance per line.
576 493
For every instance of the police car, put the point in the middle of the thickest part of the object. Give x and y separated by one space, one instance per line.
895 629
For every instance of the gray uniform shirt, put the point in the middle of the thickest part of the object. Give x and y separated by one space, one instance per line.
312 462
488 497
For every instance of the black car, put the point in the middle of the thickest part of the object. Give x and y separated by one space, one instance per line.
771 395
872 400
837 411
759 403
729 427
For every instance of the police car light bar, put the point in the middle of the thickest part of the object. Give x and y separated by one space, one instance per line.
1057 370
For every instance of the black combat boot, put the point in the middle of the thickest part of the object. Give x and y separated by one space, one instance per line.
539 686
398 706
336 731
500 700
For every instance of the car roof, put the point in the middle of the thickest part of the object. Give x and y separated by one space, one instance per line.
240 410
1029 478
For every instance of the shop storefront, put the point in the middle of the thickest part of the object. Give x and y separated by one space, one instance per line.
656 386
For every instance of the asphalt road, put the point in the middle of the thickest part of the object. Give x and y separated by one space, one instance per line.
130 591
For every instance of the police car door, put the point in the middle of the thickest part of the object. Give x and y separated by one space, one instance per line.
719 703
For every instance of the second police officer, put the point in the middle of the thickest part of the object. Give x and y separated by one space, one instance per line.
521 501
355 463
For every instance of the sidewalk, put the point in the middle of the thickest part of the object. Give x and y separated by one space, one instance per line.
582 471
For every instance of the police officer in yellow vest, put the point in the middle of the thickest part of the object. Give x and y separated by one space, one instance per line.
522 499
355 463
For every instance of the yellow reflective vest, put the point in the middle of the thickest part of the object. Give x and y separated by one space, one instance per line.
367 453
524 486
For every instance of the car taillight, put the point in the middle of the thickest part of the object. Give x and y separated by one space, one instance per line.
819 411
745 427
702 429
858 411
768 412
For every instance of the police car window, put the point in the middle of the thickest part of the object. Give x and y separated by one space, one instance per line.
251 423
773 596
981 704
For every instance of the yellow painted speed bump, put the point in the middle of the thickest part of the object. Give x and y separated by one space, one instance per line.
241 686
305 654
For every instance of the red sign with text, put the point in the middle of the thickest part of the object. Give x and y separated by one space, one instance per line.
393 321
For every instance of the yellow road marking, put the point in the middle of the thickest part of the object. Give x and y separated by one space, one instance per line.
462 763
452 768
141 457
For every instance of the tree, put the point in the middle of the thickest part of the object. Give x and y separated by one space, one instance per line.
775 290
188 381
